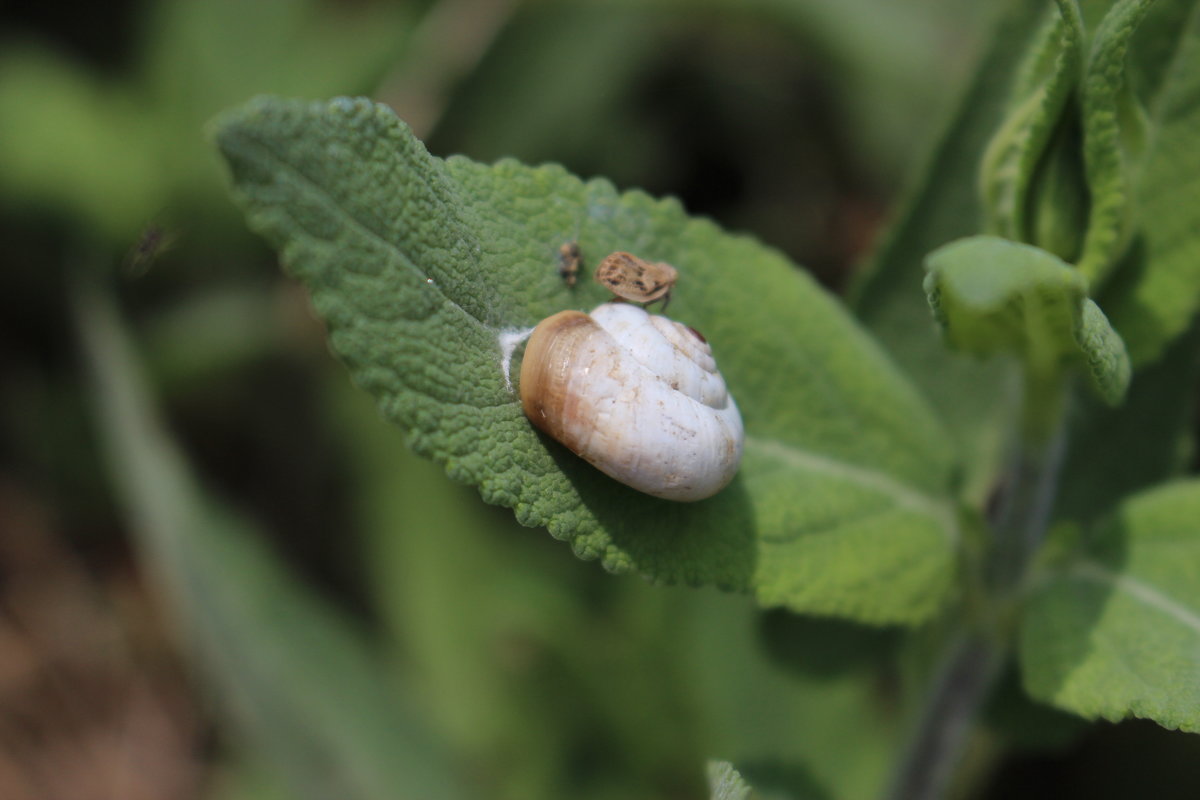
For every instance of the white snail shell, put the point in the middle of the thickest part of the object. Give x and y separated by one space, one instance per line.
638 396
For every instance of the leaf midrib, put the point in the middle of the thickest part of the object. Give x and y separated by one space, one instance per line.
1147 595
328 201
905 496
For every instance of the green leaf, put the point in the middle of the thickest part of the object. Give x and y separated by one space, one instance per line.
424 268
1153 296
1115 452
726 783
298 678
943 204
1043 88
76 146
993 296
1112 135
1115 631
519 102
116 154
815 736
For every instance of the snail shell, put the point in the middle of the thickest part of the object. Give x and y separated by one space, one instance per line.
638 396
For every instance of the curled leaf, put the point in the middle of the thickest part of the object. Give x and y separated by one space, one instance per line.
994 296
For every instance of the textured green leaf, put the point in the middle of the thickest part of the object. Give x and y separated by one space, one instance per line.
991 295
424 268
1155 293
1115 631
1058 195
945 204
298 678
726 783
1112 136
1039 99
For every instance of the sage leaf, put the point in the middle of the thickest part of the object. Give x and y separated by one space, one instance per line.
726 783
1044 85
1112 137
1155 293
942 204
1116 452
1114 631
991 296
426 272
298 678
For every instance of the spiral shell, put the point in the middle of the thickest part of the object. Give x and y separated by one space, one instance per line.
636 395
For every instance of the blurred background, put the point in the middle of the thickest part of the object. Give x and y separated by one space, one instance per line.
222 576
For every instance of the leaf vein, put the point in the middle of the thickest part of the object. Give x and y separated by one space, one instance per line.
1148 595
335 209
904 496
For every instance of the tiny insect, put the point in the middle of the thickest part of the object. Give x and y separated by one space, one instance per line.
152 243
635 279
569 259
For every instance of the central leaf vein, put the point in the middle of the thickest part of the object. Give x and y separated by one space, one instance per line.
902 495
329 202
1148 595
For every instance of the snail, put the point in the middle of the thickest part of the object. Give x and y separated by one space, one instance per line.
636 279
638 396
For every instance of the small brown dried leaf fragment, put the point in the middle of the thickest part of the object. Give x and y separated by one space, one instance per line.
635 279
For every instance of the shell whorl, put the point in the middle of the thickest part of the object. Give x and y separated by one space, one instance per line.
638 396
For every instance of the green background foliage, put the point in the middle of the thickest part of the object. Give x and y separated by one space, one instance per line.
367 628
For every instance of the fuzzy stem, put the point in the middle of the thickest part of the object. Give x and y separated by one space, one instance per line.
974 656
967 671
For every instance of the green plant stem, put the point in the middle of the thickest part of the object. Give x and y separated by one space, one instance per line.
1022 516
976 652
966 672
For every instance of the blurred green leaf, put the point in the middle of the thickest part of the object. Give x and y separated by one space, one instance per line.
1117 451
888 62
116 153
942 205
1112 136
826 647
726 783
422 267
1114 631
1058 194
549 87
295 674
1154 293
992 296
1027 724
819 736
1043 88
73 144
474 609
